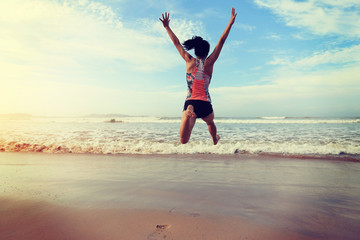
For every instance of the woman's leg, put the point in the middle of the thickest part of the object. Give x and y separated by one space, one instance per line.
187 123
212 128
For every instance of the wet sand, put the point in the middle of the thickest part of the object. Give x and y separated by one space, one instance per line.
39 220
65 196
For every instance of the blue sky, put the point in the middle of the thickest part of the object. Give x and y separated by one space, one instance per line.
282 57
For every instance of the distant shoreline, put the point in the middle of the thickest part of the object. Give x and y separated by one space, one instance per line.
117 115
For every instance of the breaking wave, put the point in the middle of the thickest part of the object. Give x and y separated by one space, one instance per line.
144 135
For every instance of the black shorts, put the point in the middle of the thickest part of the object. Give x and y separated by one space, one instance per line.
201 108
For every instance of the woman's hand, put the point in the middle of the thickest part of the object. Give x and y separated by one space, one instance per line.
233 16
165 19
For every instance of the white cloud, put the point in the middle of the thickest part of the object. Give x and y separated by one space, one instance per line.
184 29
273 37
335 56
300 36
207 13
49 33
294 93
234 43
73 56
319 16
349 55
245 27
280 61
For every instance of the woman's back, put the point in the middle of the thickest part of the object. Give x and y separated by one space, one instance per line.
198 82
191 66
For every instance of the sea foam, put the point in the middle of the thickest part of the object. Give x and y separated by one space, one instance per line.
145 135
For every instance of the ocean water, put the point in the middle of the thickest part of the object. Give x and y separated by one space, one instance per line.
152 135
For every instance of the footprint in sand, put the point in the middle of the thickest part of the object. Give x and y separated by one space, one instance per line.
194 214
160 232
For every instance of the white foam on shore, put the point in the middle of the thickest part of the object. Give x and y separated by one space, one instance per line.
146 135
171 147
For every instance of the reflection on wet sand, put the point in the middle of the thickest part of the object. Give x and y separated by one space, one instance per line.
310 199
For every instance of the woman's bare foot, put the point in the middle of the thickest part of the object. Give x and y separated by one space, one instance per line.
216 140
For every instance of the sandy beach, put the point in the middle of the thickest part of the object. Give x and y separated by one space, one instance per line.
39 220
70 196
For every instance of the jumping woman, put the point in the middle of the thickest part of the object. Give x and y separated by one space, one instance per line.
198 75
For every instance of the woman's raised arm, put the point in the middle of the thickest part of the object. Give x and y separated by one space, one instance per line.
165 21
215 54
